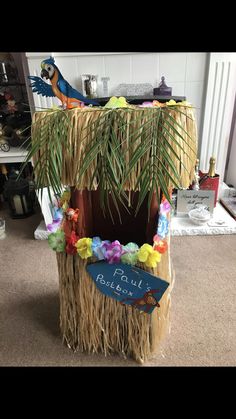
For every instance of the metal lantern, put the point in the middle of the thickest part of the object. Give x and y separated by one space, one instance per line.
19 197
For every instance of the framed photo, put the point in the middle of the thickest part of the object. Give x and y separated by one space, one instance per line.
189 199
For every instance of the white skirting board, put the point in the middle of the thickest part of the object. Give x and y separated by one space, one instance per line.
180 226
183 226
41 232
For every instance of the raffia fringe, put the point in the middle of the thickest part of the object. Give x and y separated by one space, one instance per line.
92 322
81 134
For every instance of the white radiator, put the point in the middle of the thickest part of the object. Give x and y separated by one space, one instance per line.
220 95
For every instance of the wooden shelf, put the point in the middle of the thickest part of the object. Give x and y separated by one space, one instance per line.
11 84
137 100
14 155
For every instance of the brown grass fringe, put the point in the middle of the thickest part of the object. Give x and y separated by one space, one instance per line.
81 133
92 322
89 320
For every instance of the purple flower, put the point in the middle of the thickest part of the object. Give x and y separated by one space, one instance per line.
113 251
58 214
54 226
165 206
146 105
98 248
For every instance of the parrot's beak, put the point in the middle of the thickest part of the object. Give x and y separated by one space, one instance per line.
44 73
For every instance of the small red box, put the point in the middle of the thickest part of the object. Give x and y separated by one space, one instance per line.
210 183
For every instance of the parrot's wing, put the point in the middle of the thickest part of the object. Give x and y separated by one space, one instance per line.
39 86
68 91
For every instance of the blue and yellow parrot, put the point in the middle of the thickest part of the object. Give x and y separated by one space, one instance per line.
60 88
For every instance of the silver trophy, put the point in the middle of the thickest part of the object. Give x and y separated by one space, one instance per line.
89 85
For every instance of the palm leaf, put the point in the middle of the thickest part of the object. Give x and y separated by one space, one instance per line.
49 134
119 147
157 172
174 126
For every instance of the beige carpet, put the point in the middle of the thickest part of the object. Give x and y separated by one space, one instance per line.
203 311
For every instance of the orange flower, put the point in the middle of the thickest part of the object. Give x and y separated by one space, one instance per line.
157 103
70 243
72 215
161 246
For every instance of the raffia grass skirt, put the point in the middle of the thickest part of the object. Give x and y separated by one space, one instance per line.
92 322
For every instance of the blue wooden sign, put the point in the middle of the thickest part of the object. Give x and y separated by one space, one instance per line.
128 284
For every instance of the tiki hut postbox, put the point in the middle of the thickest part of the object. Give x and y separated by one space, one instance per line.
113 168
117 167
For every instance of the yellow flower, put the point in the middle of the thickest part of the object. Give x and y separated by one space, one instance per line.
65 206
171 102
148 256
65 196
115 102
84 247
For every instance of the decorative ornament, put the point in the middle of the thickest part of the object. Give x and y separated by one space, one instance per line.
171 103
65 198
115 102
163 226
113 251
84 247
67 240
130 256
128 285
54 225
59 87
98 248
57 241
158 104
165 207
70 221
11 105
149 256
147 302
72 215
161 246
102 249
162 89
70 243
146 105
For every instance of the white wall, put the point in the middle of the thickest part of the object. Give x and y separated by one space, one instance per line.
184 72
231 169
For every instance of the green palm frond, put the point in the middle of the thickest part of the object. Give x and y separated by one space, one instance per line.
104 153
156 143
48 135
113 150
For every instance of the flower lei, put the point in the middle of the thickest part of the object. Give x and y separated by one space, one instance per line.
65 239
156 103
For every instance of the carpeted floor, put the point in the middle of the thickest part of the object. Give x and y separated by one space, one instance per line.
203 311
